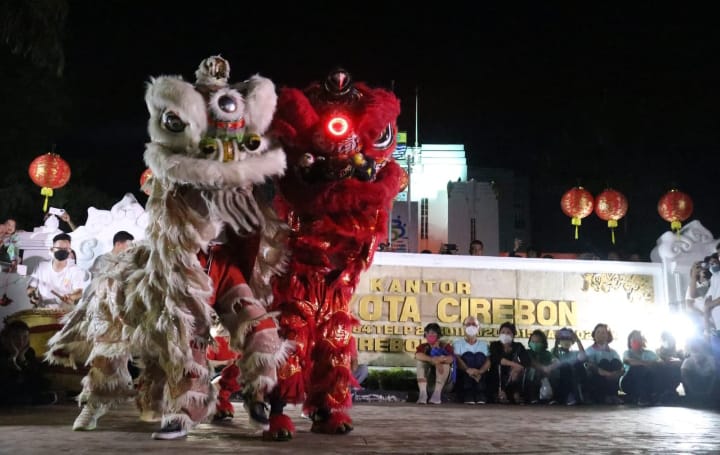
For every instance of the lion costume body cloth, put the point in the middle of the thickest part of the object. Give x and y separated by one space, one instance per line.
338 137
207 153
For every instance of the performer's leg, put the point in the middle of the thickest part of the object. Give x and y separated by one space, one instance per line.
188 399
108 382
151 384
253 332
227 384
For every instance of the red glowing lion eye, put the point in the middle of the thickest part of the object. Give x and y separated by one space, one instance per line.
338 126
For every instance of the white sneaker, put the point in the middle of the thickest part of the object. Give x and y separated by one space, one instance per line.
422 398
87 419
171 430
435 399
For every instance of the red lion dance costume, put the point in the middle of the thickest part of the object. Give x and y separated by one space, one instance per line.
338 137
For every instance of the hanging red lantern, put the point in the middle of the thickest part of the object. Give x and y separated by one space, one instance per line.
611 205
675 207
577 203
49 172
144 177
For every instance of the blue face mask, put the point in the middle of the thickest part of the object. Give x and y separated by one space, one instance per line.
715 268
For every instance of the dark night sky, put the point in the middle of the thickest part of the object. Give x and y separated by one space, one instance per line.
609 94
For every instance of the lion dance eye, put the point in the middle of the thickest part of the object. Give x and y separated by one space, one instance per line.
252 141
338 126
227 104
386 138
172 122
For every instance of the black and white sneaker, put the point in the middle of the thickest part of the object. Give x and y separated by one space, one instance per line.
171 430
258 413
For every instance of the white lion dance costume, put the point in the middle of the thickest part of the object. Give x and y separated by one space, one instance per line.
207 155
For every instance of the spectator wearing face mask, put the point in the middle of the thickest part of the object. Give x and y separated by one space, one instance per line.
473 362
437 355
541 361
508 359
568 373
647 379
57 283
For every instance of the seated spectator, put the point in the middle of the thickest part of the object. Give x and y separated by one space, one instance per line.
437 355
541 361
603 368
568 373
57 283
699 374
22 380
472 362
508 359
647 378
671 359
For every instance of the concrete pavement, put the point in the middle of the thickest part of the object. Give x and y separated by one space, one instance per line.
402 428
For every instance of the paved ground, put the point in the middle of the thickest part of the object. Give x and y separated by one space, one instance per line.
387 428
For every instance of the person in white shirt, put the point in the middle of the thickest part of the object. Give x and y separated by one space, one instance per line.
57 283
473 361
122 240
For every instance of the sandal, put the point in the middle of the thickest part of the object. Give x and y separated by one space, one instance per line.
502 397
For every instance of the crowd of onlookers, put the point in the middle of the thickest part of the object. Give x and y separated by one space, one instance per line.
507 371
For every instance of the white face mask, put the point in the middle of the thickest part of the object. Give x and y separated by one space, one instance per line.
471 330
505 338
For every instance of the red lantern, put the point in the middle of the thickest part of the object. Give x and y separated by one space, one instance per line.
675 207
49 172
144 177
577 203
611 205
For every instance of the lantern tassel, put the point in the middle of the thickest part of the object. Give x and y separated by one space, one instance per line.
48 193
612 224
576 221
